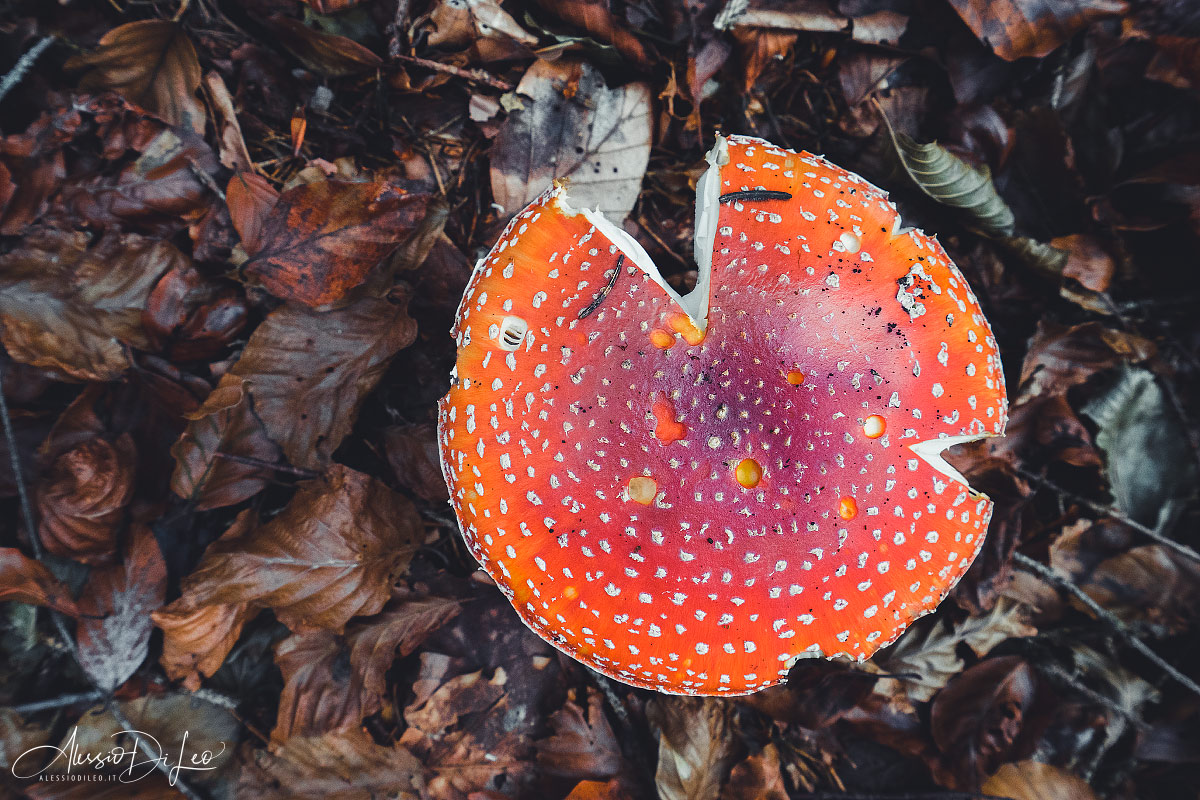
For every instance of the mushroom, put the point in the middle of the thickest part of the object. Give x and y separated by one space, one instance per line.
689 493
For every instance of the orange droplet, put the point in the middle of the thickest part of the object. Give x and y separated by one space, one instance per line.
748 473
661 339
795 377
570 593
847 508
666 428
874 426
642 490
683 325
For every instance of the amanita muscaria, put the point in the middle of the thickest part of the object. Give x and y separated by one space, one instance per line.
688 493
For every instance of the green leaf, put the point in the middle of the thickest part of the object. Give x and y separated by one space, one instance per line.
952 182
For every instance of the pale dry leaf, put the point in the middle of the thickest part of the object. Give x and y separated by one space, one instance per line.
573 126
694 746
114 636
231 146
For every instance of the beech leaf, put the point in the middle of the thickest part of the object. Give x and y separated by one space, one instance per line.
333 553
152 64
694 746
573 126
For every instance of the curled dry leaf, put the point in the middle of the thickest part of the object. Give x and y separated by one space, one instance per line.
573 126
296 389
989 714
1033 780
347 765
598 790
333 553
582 746
694 746
81 500
322 239
332 682
1020 28
192 317
24 580
114 636
70 304
324 53
231 146
250 198
152 64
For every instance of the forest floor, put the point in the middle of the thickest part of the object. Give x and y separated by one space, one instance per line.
233 237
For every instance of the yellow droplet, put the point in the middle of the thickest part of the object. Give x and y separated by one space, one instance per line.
874 426
661 339
683 325
642 490
795 377
748 473
570 593
847 508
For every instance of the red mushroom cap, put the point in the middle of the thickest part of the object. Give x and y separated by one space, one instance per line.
689 493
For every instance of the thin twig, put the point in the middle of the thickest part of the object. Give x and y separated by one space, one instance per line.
1115 513
299 472
60 624
23 65
476 75
1052 576
57 702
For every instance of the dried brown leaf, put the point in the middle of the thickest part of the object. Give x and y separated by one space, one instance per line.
1020 28
115 636
595 17
480 25
930 652
987 715
582 746
758 777
152 64
376 642
333 553
231 145
196 639
694 746
322 239
225 423
69 304
412 454
325 53
573 126
1033 780
250 198
26 581
347 765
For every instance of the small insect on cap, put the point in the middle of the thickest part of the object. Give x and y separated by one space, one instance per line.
690 493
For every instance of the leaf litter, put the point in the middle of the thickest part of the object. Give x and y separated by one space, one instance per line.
232 242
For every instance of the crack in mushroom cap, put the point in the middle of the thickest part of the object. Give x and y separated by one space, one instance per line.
596 465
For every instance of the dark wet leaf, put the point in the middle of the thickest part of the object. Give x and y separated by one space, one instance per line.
412 452
347 765
81 500
321 239
1149 464
1020 28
